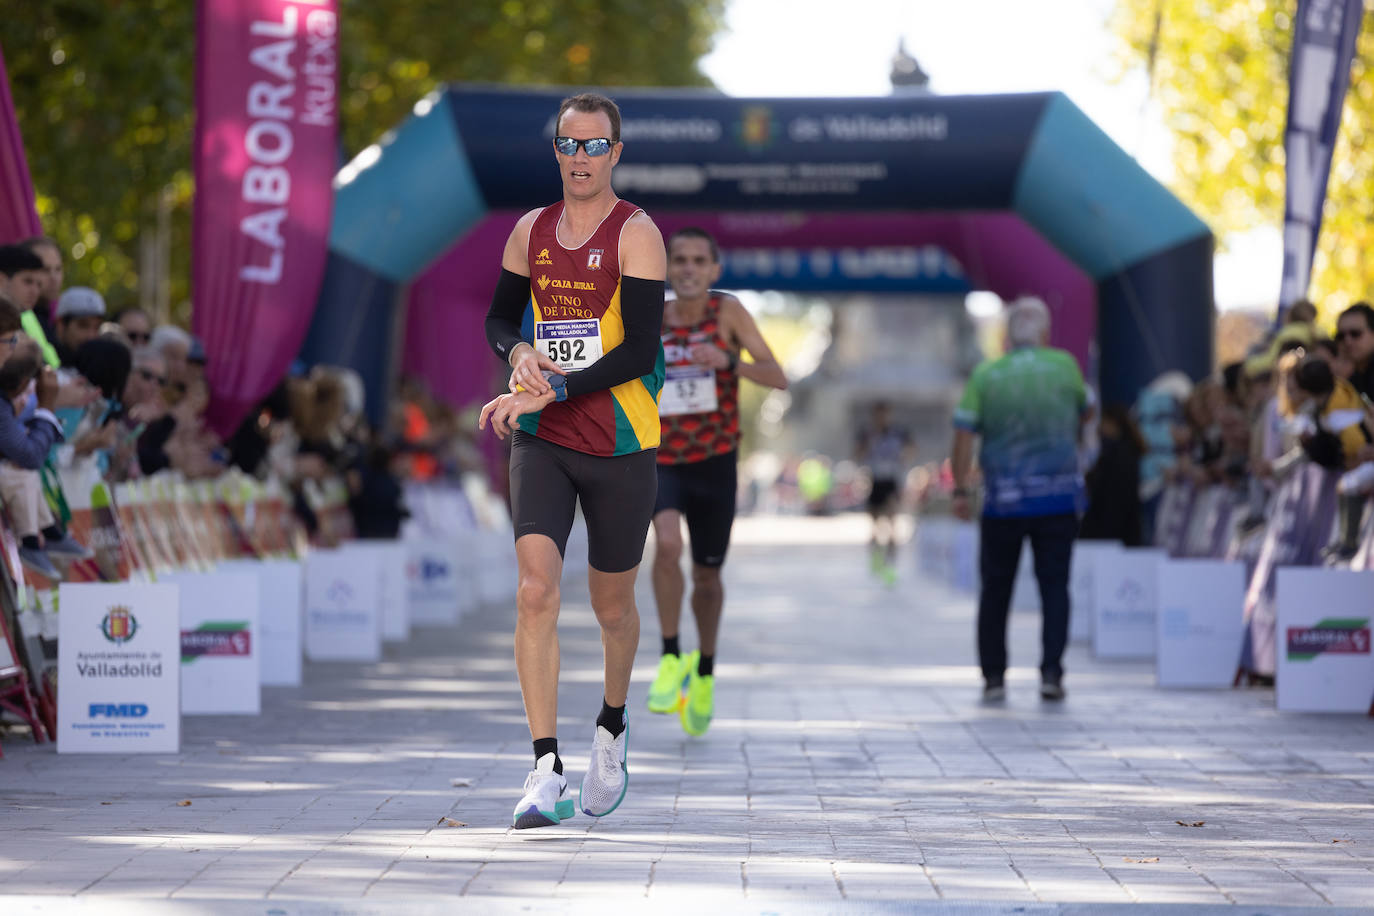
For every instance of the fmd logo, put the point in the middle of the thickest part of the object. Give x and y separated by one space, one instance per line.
118 710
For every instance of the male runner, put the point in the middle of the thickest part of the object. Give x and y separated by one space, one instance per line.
576 314
703 332
885 449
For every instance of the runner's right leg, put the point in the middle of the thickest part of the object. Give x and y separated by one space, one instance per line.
543 501
665 693
669 583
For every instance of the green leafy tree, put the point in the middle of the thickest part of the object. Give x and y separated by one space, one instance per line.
1219 73
104 93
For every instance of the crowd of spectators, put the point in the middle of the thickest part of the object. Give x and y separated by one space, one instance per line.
94 397
1299 396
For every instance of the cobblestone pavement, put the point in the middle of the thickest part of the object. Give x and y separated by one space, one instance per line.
851 763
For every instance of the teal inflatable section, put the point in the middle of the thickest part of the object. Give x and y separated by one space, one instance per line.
1092 200
402 202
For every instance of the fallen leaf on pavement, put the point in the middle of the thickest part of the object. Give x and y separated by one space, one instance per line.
450 822
107 803
1150 859
1190 823
459 781
1340 841
184 804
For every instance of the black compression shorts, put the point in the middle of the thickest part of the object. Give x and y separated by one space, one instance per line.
882 498
617 495
704 492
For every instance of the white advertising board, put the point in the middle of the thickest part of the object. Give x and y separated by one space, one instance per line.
1324 659
1201 622
342 615
281 623
393 585
1082 597
1125 583
437 590
220 642
119 664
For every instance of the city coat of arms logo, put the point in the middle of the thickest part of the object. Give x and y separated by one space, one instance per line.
119 625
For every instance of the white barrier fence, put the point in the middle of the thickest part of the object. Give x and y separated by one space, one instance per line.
133 657
1184 604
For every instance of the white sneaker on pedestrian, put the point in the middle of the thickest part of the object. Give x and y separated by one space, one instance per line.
547 799
604 785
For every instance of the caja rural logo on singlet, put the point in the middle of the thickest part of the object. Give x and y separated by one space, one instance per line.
1333 636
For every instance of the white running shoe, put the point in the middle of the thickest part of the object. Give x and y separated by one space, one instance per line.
547 800
604 785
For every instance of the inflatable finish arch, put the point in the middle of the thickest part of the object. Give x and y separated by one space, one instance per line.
1019 194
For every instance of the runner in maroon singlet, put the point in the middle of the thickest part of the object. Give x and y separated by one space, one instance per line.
576 314
703 333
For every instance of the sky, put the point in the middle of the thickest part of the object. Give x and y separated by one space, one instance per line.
811 48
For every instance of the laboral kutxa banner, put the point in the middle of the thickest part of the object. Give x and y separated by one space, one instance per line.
265 154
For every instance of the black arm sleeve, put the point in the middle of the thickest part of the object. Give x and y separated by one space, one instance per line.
641 310
507 312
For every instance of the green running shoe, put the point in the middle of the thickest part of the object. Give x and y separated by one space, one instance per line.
699 704
665 693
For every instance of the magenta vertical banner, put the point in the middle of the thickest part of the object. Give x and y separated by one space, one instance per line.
18 214
265 152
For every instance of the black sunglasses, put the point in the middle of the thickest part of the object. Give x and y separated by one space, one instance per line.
595 146
149 376
1353 334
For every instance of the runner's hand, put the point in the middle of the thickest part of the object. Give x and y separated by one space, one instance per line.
963 510
503 410
528 366
710 356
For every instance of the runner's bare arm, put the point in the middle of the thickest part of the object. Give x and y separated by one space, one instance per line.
507 312
641 249
740 326
643 268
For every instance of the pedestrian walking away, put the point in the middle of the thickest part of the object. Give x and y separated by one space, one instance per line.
704 332
1028 407
576 314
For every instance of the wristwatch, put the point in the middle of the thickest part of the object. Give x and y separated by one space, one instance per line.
559 384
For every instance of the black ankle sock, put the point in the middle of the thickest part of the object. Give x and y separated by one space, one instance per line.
30 541
706 665
612 718
544 746
53 533
670 646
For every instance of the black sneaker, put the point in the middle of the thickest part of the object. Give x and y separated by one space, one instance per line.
1052 690
994 692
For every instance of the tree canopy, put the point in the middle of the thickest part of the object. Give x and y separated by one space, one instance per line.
104 94
1220 76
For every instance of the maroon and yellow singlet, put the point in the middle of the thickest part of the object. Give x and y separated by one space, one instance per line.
574 317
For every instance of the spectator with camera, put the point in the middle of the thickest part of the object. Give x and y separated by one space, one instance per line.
24 446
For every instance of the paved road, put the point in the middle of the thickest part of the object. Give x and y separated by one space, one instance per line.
851 763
